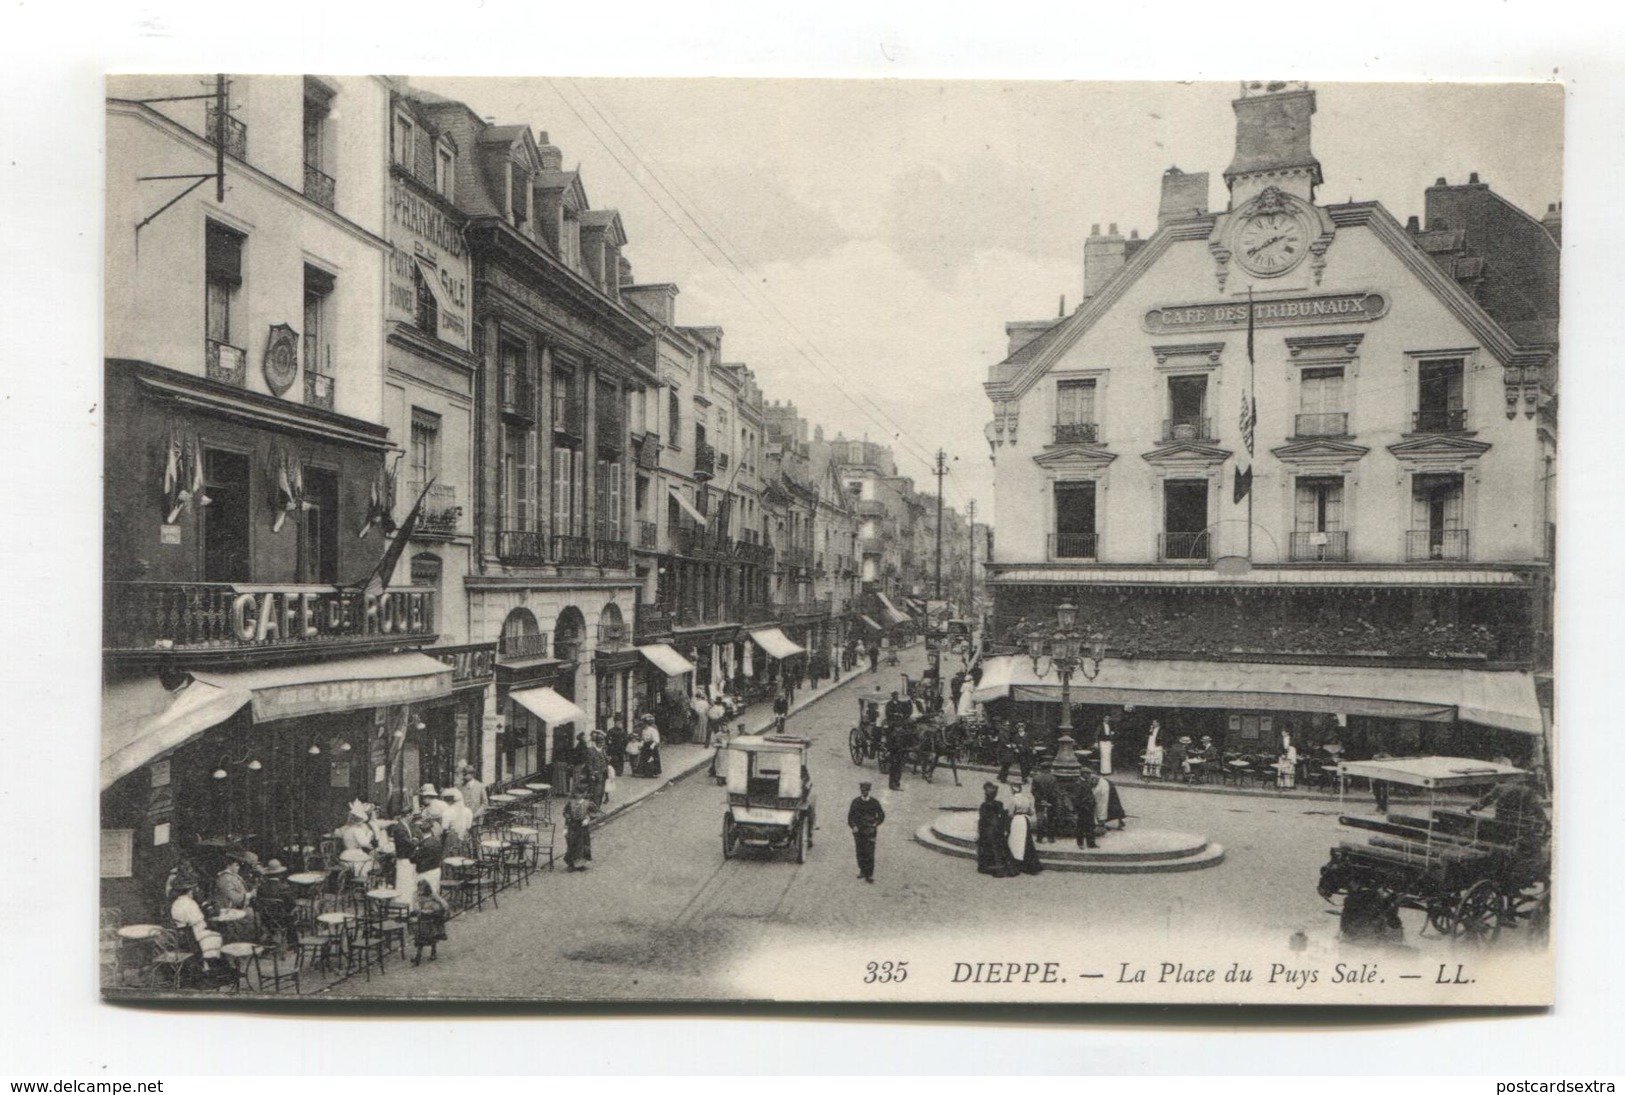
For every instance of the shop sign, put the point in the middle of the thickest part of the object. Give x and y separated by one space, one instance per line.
468 663
283 615
293 700
1231 315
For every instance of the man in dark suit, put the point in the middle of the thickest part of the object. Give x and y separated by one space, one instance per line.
864 817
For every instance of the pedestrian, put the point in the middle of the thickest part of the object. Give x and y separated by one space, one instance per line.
473 791
429 853
864 817
1046 792
615 749
899 739
405 879
1023 853
992 825
429 913
596 767
1108 806
578 814
1103 745
781 710
1084 809
432 808
458 819
874 658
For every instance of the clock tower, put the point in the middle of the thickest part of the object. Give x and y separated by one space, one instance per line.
1272 141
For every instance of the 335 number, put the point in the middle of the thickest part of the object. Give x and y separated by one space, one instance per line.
886 973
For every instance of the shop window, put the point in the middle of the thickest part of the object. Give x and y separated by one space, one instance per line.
225 519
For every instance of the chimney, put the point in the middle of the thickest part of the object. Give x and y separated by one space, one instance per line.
1022 331
1183 196
551 156
1553 221
1472 179
1413 224
624 269
1103 257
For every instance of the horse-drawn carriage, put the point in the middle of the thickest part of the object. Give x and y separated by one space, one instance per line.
1470 875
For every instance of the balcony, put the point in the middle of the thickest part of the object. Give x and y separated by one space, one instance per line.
611 431
226 363
869 507
514 647
1072 545
705 461
235 138
208 616
722 461
648 535
523 547
757 554
518 394
756 613
690 540
318 390
612 637
1077 433
569 418
654 618
319 186
613 553
1327 424
1439 420
572 551
1182 546
1436 545
870 545
648 454
441 513
1186 428
1320 547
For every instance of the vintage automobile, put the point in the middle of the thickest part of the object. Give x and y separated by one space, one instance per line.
1472 867
770 800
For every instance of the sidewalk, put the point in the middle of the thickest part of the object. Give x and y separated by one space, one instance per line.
1127 777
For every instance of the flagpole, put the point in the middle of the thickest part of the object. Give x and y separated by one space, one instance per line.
1252 401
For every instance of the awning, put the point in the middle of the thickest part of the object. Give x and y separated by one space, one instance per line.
348 684
1364 577
870 621
891 610
1435 773
141 720
548 706
1504 700
432 277
688 507
667 660
776 643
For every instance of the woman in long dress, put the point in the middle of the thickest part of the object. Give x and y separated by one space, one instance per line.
1023 851
992 820
1104 744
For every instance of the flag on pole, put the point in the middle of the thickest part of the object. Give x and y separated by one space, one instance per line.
379 580
1249 415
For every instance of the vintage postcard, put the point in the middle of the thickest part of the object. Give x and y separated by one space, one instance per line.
884 541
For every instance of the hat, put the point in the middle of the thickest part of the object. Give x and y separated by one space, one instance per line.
274 866
359 810
465 769
428 789
990 786
247 857
597 734
1185 739
451 794
1207 737
865 786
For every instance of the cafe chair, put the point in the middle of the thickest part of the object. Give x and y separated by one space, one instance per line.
278 966
172 956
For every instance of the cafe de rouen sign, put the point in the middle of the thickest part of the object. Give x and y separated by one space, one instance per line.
1231 315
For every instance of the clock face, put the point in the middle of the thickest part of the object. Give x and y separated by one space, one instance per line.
1271 243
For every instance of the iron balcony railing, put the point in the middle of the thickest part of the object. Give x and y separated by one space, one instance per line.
612 553
1439 419
235 138
226 363
211 615
1436 545
523 646
870 507
523 547
1073 433
319 186
648 535
648 454
1323 424
572 551
653 618
1320 547
1072 545
1186 428
518 393
441 512
318 390
870 545
613 636
1174 546
705 461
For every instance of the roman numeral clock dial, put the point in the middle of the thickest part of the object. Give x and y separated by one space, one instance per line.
1271 243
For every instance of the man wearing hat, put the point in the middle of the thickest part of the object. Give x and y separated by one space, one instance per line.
432 808
232 891
1177 752
649 755
615 749
596 768
459 818
275 903
472 790
864 817
578 814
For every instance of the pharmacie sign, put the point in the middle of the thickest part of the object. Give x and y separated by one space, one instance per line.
1231 315
295 614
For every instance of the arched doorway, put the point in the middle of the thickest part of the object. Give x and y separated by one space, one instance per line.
609 668
522 747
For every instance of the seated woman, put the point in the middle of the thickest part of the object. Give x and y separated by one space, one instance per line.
187 914
233 891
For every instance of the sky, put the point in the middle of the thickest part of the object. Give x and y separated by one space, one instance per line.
863 242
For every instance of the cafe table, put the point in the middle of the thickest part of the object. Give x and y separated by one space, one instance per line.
136 933
237 956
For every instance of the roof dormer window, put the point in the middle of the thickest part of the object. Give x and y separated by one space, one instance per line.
405 141
445 170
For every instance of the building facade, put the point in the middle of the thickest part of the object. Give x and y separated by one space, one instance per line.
1292 462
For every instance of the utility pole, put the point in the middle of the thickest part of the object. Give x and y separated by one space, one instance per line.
940 470
970 565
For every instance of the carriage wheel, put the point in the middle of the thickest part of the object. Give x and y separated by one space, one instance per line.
1479 913
1441 915
1531 905
854 744
803 841
730 837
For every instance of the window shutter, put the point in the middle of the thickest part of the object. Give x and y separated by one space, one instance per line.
615 502
561 491
1334 506
601 501
1306 507
578 476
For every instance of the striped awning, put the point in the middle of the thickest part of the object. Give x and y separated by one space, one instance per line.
1358 577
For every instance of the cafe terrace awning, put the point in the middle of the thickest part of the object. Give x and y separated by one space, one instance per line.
776 643
548 706
1504 700
688 507
892 612
667 660
1314 577
141 720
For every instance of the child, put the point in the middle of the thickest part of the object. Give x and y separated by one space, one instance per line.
429 912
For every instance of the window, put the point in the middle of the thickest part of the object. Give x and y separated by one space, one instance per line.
516 387
1074 521
1439 398
563 491
1317 532
319 528
427 311
1187 409
316 111
607 500
518 478
519 195
225 519
1075 411
565 419
1184 519
445 171
223 278
319 286
1437 518
425 449
675 415
405 149
1321 411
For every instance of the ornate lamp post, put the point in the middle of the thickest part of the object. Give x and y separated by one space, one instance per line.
1066 656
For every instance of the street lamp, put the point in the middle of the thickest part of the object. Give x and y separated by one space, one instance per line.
1067 655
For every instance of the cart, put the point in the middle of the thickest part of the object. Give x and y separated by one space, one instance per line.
865 740
770 801
1471 874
